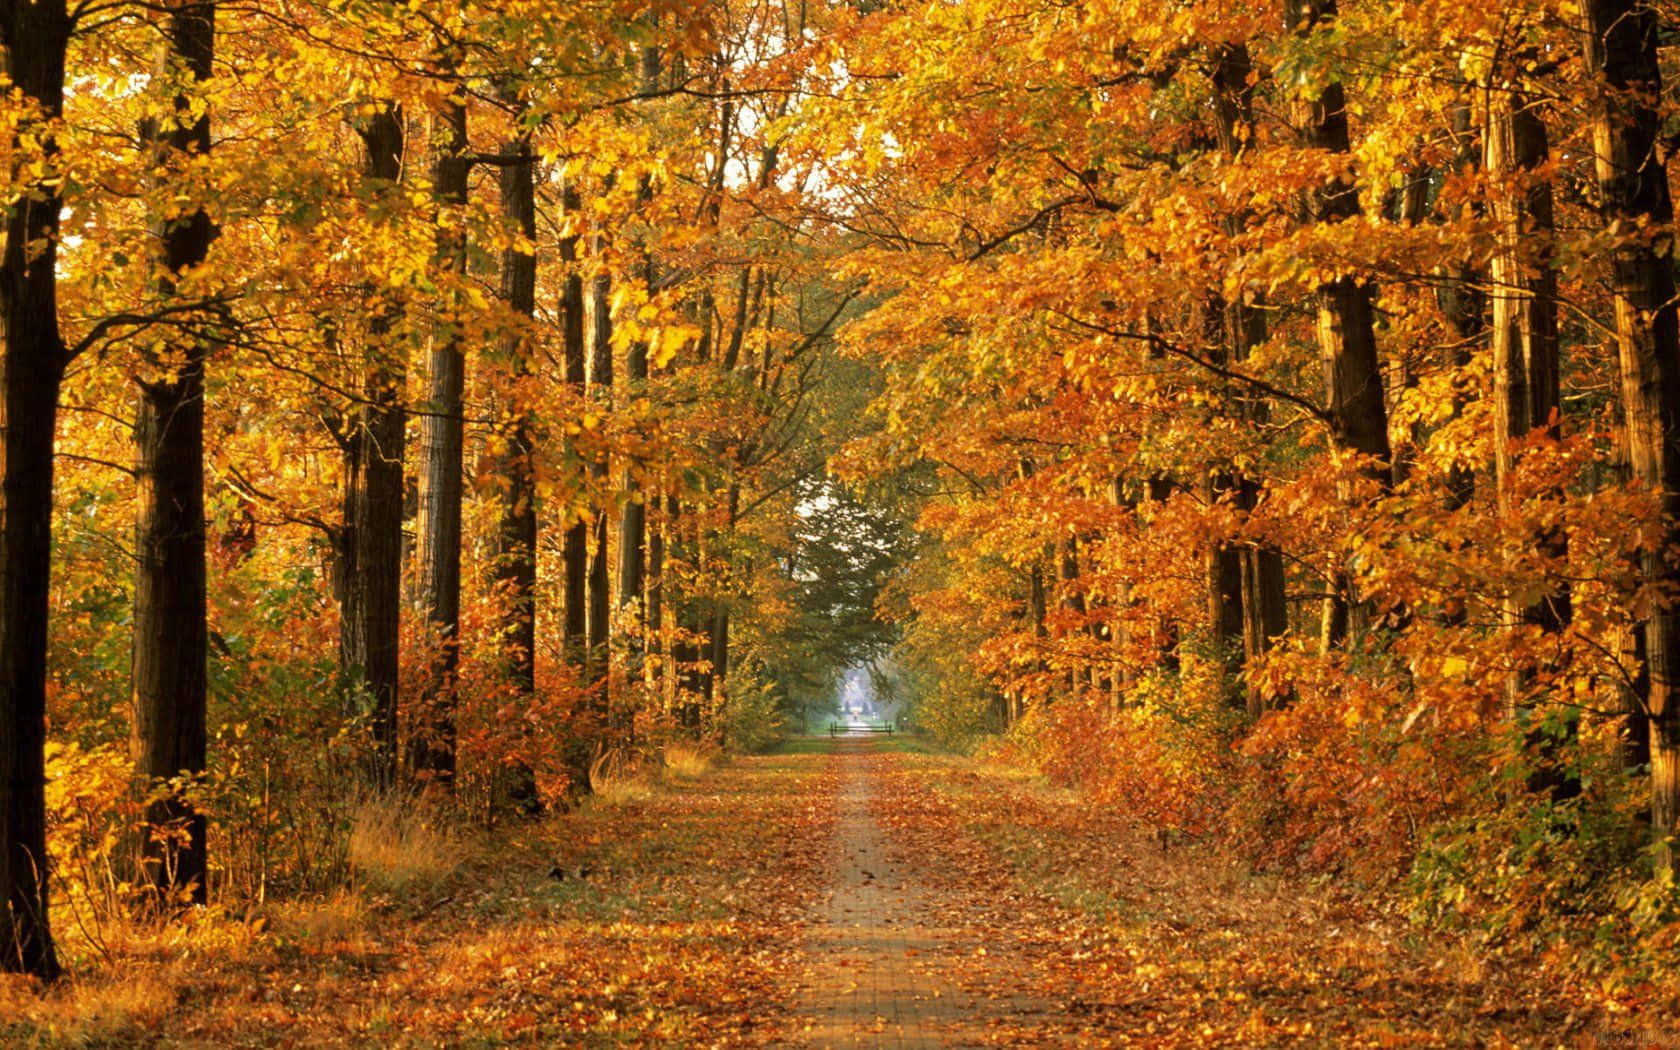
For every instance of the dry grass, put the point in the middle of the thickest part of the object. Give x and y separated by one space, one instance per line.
690 759
96 1011
619 777
399 844
339 918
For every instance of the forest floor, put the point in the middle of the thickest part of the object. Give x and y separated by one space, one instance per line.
853 892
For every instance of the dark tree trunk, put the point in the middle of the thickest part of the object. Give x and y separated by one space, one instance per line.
1265 610
1073 599
1225 598
1621 48
514 464
170 677
717 679
34 35
371 618
575 546
1159 489
1257 616
685 654
600 584
432 738
1346 330
632 530
655 619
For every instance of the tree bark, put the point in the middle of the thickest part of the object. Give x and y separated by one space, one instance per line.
170 674
432 739
371 615
34 36
655 671
1159 489
1621 48
1346 331
600 584
1464 305
1525 368
1073 599
632 531
1256 615
514 462
575 546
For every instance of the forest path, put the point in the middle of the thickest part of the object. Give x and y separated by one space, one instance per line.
887 939
967 907
841 893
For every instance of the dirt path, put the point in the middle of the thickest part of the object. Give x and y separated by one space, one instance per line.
888 940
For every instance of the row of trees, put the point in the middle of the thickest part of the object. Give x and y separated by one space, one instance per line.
1302 385
1284 392
473 367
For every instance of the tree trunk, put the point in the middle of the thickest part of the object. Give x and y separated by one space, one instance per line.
1346 332
1265 612
1257 615
371 615
632 532
514 462
1159 489
432 739
717 654
1223 573
575 546
1464 305
1073 600
1525 367
1621 47
654 626
34 35
170 676
600 593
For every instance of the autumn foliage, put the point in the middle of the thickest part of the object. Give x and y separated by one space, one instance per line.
1261 417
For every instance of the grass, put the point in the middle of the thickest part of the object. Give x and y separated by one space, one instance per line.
399 845
690 760
619 778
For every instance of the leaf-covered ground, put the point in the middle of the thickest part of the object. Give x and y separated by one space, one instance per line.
700 922
1126 943
680 934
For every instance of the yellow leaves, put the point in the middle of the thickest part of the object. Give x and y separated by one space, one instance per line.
667 341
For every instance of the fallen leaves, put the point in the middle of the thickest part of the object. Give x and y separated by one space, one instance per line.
683 935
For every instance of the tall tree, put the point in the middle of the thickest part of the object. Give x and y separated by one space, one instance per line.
632 531
170 625
1255 615
1525 348
513 461
34 38
369 642
601 379
1621 49
574 360
432 741
1346 327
